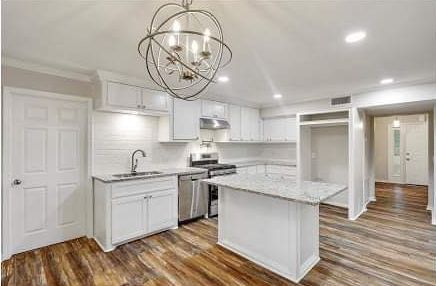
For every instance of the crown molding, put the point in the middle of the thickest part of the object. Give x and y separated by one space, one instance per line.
39 68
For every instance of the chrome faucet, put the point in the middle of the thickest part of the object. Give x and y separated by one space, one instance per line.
135 161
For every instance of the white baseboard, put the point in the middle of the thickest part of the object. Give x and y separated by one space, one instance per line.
372 199
429 208
359 214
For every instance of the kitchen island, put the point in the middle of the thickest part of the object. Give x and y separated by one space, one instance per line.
272 220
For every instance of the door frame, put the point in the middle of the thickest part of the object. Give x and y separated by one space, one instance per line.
7 94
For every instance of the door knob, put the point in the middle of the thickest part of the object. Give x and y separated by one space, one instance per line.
17 182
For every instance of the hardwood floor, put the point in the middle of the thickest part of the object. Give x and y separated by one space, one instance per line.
391 244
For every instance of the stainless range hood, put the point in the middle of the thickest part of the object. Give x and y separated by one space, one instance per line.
209 123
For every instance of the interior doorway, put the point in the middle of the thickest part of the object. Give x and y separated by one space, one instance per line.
401 149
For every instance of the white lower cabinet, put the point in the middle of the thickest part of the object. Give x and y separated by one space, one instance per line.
161 210
129 218
124 211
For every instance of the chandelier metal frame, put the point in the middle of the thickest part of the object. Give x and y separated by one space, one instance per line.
193 75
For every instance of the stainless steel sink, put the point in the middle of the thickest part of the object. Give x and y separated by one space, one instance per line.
137 174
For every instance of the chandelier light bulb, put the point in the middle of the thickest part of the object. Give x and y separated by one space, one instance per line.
206 39
194 49
171 41
176 29
176 26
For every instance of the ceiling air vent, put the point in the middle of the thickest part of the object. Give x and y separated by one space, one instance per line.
341 100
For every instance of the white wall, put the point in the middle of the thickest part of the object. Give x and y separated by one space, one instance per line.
359 195
16 77
405 94
381 140
329 147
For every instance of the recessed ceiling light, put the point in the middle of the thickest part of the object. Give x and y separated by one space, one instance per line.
387 81
277 95
355 37
223 79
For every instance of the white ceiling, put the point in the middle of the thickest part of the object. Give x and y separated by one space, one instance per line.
295 48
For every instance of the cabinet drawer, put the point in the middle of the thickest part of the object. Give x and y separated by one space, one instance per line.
143 186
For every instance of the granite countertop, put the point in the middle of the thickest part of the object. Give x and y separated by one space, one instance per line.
258 161
109 178
280 187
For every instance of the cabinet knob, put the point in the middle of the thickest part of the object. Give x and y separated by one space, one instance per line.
139 106
16 182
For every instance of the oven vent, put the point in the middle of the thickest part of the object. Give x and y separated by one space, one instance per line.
340 100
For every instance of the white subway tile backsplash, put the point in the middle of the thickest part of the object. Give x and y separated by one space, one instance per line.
116 136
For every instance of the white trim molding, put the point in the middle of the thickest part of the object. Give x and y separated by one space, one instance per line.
45 69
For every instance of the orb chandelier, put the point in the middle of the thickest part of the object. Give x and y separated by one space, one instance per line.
183 50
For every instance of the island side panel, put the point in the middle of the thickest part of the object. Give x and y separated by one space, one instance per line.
308 238
268 231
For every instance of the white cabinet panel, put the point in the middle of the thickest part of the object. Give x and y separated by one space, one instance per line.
255 124
235 122
123 95
245 124
213 109
274 129
279 129
250 124
128 218
162 210
291 129
154 100
186 120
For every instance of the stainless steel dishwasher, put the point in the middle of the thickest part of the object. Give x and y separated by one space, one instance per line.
193 196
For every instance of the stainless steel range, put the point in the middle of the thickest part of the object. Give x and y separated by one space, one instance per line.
209 161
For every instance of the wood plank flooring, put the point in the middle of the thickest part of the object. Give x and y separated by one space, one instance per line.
391 244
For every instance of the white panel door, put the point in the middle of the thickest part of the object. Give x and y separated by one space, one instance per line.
123 95
162 208
416 164
235 122
186 119
48 159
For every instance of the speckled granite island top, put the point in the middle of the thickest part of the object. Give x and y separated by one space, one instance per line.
306 192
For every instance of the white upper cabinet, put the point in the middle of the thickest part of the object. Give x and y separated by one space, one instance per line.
235 123
186 119
291 128
118 93
123 95
214 109
279 129
154 100
250 124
